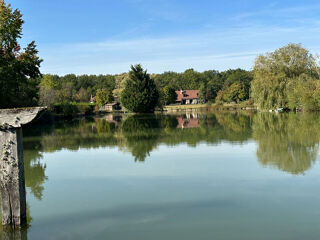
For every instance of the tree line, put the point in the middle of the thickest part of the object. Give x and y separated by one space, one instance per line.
227 86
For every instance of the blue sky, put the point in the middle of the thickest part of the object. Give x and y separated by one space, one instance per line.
107 36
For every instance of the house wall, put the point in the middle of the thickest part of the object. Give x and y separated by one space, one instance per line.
190 101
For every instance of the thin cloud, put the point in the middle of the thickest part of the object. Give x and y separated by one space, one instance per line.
289 12
230 48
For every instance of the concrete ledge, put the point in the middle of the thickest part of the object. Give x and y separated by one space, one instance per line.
16 117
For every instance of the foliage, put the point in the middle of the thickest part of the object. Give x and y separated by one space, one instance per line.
209 82
235 93
140 93
236 86
203 92
82 95
19 70
120 81
219 98
168 95
104 96
279 75
72 108
47 97
71 88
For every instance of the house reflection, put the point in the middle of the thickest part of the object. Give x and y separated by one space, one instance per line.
189 120
111 118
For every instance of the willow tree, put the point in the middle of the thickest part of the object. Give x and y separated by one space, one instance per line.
274 72
140 94
19 68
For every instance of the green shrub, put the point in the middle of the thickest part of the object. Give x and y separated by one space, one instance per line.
85 108
72 109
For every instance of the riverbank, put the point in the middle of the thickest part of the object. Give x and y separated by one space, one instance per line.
73 111
214 106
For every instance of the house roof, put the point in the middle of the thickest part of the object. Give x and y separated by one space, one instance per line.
187 94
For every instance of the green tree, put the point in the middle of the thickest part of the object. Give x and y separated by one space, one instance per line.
140 93
48 90
82 95
276 71
19 70
235 93
104 96
303 93
47 97
190 79
169 95
203 92
120 81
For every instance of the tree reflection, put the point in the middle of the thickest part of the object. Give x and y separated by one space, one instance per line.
34 172
141 133
286 141
289 142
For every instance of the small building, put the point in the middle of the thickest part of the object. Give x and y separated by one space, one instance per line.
111 107
187 96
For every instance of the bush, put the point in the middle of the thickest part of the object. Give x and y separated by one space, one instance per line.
71 109
85 108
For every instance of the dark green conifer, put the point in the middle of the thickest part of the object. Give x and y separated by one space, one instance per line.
140 94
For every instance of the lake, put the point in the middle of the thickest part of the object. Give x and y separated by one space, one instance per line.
185 175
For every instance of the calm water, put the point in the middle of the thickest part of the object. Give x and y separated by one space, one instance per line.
178 176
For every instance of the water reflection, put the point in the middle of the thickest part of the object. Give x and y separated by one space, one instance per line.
13 234
289 142
189 120
8 233
137 134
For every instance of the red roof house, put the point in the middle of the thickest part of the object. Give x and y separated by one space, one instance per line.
187 96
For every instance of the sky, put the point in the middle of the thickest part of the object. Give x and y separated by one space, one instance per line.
107 36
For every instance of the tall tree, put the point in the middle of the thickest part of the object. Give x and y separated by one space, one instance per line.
19 70
275 71
140 93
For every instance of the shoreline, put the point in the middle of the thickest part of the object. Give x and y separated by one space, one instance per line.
214 106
